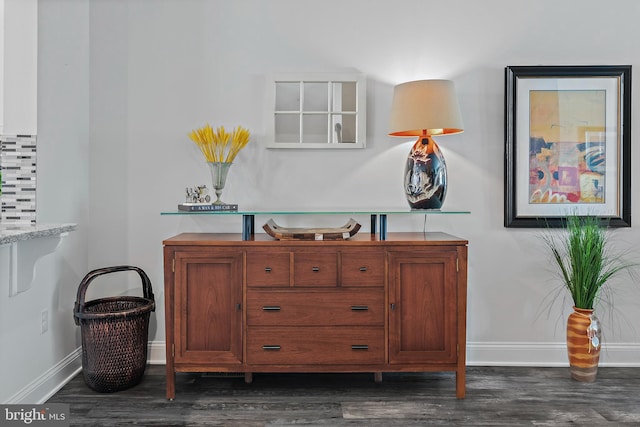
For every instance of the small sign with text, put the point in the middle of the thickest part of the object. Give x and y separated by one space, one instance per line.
52 414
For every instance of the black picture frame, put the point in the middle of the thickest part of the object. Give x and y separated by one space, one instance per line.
569 91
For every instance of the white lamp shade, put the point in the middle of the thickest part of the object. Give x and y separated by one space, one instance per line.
425 107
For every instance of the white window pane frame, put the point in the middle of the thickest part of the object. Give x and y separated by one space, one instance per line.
345 121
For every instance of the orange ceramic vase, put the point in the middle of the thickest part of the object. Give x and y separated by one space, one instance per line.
583 344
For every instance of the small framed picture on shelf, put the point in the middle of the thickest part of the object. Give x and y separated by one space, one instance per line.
567 144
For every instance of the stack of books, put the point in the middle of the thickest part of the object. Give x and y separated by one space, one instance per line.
204 207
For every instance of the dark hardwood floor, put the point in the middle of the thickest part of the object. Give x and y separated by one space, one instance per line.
496 396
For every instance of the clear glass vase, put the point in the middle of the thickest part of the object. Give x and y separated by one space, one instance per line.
219 171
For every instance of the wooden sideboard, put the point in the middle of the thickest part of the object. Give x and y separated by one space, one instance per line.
360 305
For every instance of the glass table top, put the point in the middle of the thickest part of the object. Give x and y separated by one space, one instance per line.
340 211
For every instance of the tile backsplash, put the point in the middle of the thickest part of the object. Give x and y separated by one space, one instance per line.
18 165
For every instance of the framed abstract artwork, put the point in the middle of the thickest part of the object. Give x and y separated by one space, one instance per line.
567 144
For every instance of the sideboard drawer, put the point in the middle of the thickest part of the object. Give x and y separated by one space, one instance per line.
315 269
315 345
268 269
363 268
304 308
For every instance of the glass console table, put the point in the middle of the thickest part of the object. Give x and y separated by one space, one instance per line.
378 216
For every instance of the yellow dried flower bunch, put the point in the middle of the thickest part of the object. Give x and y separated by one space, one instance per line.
218 145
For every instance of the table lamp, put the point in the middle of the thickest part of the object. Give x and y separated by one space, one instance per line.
425 108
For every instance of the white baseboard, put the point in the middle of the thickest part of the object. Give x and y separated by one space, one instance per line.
505 354
156 353
478 354
546 354
47 384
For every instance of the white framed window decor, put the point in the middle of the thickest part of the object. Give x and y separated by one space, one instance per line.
316 110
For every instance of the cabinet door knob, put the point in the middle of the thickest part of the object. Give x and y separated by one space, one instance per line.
271 347
238 306
393 306
267 269
359 307
271 308
363 268
359 347
316 269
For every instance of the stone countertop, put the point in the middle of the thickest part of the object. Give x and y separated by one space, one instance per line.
10 233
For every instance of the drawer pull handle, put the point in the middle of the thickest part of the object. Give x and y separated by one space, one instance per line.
359 308
267 269
363 268
271 347
316 269
393 307
271 308
359 347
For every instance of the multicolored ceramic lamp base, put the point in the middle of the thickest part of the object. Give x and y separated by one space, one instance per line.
425 175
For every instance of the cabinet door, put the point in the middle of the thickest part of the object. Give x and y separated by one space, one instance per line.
422 307
208 315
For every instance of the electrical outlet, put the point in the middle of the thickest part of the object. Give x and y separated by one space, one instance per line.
44 326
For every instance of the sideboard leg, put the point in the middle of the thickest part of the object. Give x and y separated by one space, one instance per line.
171 385
460 383
248 377
377 377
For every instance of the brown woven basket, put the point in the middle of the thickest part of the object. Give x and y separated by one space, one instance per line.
114 334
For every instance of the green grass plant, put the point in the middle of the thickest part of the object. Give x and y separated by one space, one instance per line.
582 255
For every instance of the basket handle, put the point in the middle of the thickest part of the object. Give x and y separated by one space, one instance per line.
82 289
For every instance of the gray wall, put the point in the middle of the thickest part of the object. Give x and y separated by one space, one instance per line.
184 63
32 364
